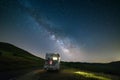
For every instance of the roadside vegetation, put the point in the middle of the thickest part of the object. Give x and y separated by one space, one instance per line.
13 58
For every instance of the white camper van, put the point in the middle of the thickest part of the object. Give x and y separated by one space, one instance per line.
52 61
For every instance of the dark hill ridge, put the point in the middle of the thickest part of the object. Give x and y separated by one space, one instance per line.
109 68
13 49
12 58
115 63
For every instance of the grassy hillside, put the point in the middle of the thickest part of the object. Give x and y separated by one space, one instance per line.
13 58
108 68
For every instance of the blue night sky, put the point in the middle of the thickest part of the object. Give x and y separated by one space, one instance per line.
80 30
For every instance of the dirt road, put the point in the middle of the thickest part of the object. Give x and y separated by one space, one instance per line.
61 75
44 75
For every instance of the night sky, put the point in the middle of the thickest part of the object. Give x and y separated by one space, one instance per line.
80 30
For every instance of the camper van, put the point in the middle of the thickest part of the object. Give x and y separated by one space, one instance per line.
52 61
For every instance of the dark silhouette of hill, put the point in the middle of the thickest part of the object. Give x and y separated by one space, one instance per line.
109 68
12 58
117 63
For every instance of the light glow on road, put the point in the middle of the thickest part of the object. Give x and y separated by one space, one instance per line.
91 75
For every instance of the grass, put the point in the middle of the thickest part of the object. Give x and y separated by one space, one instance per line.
91 75
14 58
107 68
88 75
